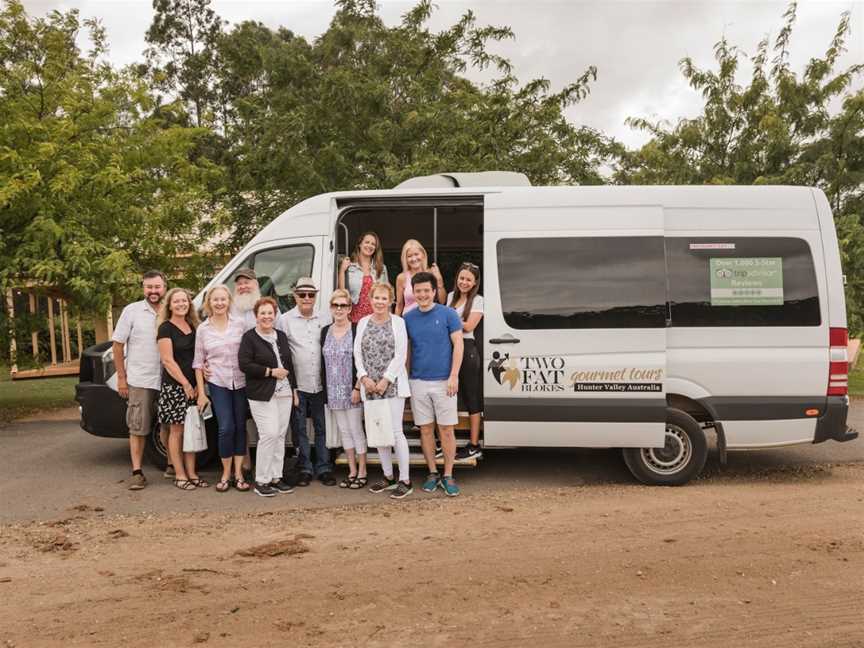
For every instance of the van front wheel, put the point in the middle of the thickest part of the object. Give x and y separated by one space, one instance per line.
680 459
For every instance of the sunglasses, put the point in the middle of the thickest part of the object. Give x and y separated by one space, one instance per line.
468 264
306 295
340 306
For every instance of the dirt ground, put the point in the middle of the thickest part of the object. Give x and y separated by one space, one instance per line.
775 558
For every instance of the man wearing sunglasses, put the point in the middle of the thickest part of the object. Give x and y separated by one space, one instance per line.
302 324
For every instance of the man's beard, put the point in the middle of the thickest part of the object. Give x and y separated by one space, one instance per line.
246 301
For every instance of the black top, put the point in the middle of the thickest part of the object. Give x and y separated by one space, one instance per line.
183 346
324 369
256 356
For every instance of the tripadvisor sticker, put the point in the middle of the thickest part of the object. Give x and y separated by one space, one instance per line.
754 281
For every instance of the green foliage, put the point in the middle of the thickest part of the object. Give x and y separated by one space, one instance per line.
365 106
95 184
183 45
776 129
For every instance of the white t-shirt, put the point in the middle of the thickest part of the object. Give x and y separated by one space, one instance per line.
136 329
476 307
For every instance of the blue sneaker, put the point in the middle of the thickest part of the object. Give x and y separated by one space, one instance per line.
431 483
448 485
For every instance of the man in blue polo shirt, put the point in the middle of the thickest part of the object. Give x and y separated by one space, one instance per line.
435 337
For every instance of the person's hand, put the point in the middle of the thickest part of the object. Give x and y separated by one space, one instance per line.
122 387
203 402
355 396
452 385
382 386
279 373
296 399
207 373
369 384
435 271
189 390
343 266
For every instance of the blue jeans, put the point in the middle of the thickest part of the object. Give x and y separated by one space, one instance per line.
230 408
310 405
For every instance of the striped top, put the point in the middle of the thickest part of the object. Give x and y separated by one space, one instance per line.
218 350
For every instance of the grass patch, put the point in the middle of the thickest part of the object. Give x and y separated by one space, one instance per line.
23 397
856 382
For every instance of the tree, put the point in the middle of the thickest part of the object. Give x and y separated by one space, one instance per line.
183 44
366 105
776 129
95 184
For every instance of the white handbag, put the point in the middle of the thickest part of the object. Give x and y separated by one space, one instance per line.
194 432
379 424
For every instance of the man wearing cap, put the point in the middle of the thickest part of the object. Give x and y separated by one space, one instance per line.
302 324
246 293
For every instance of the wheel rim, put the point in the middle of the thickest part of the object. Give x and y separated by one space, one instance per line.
673 456
156 438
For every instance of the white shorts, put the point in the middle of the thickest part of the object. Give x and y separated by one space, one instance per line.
349 423
431 404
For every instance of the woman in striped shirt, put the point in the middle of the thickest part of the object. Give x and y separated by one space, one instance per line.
216 347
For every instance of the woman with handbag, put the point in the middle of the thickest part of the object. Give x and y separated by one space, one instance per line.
271 387
341 390
175 337
216 345
380 351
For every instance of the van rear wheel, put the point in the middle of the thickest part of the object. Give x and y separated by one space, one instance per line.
680 459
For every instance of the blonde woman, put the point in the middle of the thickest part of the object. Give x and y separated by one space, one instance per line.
380 351
175 336
358 272
217 342
414 260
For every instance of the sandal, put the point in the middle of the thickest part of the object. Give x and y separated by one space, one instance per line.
359 482
184 484
242 485
222 486
348 482
200 483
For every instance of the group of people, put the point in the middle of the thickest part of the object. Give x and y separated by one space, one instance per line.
284 368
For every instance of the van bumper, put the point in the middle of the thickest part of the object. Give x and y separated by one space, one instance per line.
103 412
832 424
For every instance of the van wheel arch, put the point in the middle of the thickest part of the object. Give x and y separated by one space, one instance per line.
704 415
680 460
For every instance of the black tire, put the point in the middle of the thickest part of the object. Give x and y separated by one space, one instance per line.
679 461
157 453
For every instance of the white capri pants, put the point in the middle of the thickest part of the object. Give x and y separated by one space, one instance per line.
397 410
349 422
272 419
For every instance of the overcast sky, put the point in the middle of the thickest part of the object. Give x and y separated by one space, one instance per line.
636 45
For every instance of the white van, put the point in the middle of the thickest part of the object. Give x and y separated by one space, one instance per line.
615 317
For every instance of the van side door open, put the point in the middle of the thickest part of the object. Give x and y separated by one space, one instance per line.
575 323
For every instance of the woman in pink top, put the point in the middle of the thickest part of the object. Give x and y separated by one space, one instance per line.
414 260
216 346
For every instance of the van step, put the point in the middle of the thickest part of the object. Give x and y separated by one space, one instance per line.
416 459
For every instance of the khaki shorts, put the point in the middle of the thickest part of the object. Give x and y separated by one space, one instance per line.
141 410
431 404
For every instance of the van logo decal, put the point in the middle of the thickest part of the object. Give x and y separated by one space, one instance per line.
504 370
551 374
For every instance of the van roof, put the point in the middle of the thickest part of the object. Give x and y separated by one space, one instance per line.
311 217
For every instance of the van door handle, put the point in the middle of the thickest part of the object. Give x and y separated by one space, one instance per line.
504 339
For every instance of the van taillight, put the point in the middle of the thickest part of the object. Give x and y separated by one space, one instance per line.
838 366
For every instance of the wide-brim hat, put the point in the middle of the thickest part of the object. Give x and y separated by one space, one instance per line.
305 284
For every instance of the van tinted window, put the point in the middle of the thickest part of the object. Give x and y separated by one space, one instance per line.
753 281
278 269
583 282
